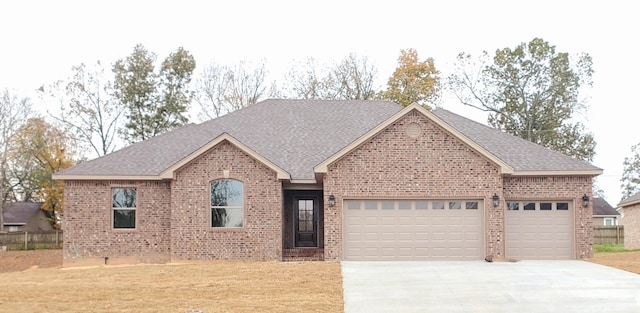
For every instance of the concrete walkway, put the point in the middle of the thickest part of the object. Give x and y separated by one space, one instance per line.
478 286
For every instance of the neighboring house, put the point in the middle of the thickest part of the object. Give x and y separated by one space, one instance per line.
25 216
329 180
620 219
603 213
631 211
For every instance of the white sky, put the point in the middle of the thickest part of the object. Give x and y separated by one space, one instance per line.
41 40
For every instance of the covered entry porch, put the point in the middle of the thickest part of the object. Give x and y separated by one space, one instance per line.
303 225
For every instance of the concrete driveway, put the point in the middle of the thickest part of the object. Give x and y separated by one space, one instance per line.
478 286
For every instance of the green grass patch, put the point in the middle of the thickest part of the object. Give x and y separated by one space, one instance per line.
610 247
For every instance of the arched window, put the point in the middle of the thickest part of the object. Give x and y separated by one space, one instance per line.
227 200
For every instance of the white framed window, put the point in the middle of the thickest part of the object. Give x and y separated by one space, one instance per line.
227 203
609 221
123 206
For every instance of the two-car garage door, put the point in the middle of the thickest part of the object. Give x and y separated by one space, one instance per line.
413 229
453 230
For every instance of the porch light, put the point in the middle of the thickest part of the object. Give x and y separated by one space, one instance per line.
585 201
496 200
332 201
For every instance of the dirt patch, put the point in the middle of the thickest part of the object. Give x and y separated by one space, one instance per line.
628 261
217 286
12 261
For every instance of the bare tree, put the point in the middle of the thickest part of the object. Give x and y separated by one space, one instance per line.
14 112
224 89
87 108
352 78
308 81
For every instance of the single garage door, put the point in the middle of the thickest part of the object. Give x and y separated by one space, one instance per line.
413 229
539 230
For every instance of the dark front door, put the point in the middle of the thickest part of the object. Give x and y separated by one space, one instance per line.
306 221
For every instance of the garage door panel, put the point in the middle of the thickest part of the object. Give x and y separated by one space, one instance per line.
373 221
438 221
455 236
411 229
422 221
539 234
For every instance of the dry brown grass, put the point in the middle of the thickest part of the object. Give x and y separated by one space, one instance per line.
220 286
628 261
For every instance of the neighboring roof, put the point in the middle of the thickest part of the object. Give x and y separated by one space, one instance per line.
19 213
602 208
294 136
633 199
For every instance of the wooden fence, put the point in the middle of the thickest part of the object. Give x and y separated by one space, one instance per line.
31 241
608 234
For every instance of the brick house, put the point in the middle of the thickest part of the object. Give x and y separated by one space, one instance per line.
329 180
631 208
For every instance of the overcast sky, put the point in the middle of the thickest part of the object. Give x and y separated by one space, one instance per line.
41 40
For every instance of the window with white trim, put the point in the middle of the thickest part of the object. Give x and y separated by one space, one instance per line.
123 205
609 221
227 203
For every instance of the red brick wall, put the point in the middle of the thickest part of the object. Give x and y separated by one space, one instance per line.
559 188
631 226
88 232
394 165
193 238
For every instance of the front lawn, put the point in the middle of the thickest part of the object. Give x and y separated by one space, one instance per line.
219 286
609 248
615 255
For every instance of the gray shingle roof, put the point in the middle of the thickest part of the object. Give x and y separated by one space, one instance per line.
293 134
297 135
630 200
18 213
602 207
521 154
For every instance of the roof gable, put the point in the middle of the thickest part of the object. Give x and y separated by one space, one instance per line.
504 167
170 172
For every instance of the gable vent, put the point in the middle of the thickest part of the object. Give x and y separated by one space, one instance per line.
413 130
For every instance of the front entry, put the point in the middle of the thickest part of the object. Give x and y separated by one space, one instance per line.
305 221
303 226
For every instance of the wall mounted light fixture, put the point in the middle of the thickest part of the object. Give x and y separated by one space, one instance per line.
496 200
585 201
332 201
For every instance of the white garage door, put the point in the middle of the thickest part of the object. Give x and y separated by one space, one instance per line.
539 230
413 229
